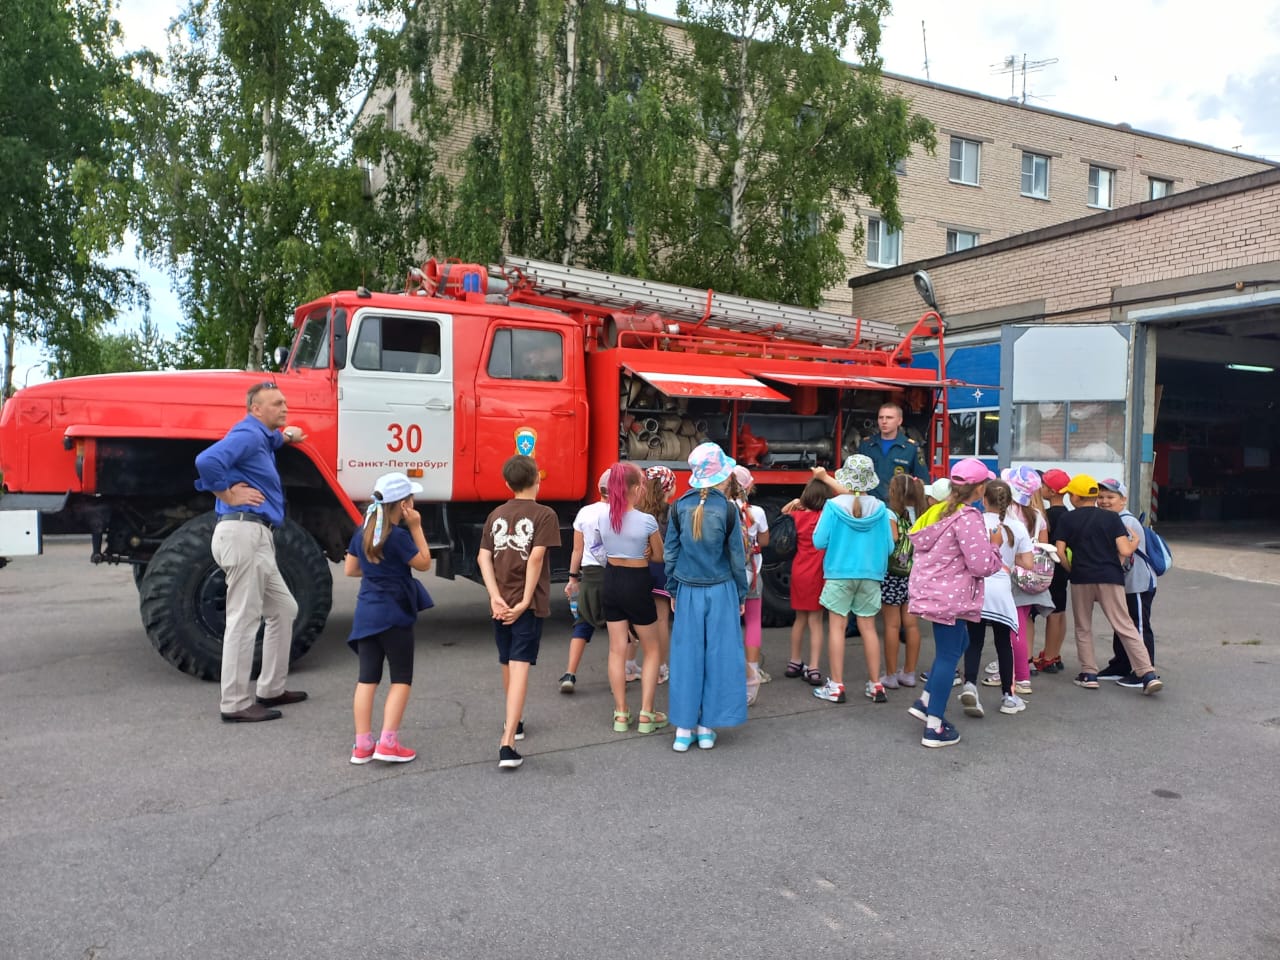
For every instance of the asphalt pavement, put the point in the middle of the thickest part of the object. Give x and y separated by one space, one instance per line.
134 824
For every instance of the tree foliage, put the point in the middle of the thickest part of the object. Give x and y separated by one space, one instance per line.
252 202
64 181
582 131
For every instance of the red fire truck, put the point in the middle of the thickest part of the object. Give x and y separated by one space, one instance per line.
444 382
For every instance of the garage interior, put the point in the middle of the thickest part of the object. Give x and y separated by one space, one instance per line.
1217 434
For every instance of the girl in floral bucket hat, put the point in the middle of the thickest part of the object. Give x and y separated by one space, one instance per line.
1028 509
857 534
706 569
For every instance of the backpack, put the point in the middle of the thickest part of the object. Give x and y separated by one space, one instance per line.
901 557
1157 554
1040 576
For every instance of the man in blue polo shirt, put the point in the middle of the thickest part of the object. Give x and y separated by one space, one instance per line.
892 452
240 470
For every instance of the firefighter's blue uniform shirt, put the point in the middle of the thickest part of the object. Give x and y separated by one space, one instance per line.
892 457
247 454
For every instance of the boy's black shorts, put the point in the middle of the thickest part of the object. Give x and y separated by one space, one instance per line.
519 641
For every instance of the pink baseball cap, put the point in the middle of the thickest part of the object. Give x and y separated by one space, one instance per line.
971 470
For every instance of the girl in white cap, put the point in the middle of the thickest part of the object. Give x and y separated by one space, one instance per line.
384 555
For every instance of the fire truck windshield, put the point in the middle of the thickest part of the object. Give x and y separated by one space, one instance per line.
312 348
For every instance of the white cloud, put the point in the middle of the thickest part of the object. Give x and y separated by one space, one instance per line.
1173 67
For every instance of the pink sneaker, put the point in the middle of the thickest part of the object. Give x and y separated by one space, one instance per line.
397 754
361 754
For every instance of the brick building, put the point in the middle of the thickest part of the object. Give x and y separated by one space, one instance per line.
1003 168
1141 343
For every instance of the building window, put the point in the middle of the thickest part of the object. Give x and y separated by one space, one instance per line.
900 166
975 433
884 245
1092 431
964 161
391 113
1157 188
1035 176
961 240
1101 187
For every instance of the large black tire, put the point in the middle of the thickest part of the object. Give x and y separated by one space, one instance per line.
183 596
775 573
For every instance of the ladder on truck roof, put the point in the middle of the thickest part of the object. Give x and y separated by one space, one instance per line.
696 306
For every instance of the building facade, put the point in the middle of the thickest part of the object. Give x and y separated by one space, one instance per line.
1141 343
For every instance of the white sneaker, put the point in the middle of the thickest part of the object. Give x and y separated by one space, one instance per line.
993 666
1012 703
969 700
1022 688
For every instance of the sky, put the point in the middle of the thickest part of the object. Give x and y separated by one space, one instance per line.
1163 66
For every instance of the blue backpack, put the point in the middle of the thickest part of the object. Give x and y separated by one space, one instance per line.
1157 554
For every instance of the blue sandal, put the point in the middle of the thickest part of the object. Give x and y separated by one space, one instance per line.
682 743
706 740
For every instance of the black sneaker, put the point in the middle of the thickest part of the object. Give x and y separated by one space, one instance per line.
520 730
1152 683
567 682
1112 673
1130 680
508 759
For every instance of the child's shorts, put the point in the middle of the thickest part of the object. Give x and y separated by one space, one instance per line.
519 641
628 595
893 592
859 598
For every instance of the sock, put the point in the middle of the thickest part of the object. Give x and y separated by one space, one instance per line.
933 723
683 732
390 738
704 730
924 698
632 666
754 670
364 740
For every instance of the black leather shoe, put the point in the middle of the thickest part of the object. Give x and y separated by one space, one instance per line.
254 713
289 696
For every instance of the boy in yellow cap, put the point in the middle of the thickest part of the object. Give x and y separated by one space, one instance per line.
1096 541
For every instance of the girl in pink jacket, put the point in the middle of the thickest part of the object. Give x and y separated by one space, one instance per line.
952 555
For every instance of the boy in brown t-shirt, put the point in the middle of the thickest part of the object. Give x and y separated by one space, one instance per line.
513 561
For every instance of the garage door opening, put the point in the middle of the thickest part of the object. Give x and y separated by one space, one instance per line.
1217 441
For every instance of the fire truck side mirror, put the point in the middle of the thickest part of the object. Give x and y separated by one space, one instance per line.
338 321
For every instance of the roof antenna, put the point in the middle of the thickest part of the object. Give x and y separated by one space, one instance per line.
925 41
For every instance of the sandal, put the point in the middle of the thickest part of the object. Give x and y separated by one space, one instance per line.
795 669
650 721
621 720
813 676
682 742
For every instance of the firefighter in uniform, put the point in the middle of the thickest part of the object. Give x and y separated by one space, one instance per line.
893 452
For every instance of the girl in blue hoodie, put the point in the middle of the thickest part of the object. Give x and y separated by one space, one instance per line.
857 534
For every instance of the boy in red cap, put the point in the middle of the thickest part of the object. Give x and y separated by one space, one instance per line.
1099 541
1049 660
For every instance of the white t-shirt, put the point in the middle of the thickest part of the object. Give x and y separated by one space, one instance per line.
997 603
587 523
